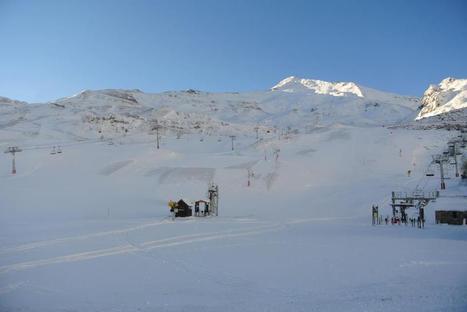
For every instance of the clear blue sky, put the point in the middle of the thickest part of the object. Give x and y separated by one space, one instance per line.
50 49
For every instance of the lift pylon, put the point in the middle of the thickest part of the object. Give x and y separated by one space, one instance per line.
13 150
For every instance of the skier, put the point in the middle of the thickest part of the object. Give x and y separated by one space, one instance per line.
197 209
373 212
422 217
206 209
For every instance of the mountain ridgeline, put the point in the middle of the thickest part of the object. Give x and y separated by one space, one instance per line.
294 104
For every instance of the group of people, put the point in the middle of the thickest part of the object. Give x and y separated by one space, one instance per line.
418 221
394 220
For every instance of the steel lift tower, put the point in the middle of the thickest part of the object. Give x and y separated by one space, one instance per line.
157 127
440 160
232 137
213 193
13 150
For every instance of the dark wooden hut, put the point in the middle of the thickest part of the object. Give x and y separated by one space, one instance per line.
451 217
182 209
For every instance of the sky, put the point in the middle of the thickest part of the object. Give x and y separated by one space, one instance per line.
52 49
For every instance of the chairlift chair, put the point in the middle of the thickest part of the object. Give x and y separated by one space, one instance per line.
59 150
53 152
429 172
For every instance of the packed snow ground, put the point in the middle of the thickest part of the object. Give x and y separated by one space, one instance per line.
88 229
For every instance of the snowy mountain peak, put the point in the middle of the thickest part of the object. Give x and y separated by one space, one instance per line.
453 84
450 94
284 82
295 84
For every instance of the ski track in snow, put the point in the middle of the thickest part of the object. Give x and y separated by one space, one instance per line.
29 246
131 247
11 287
245 165
112 168
431 263
177 174
46 243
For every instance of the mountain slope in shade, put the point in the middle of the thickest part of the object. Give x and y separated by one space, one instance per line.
4 101
449 95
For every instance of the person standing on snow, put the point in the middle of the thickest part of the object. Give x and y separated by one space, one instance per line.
206 209
197 209
373 212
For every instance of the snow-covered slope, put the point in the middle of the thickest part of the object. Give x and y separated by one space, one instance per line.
294 104
12 113
449 95
451 120
10 107
88 229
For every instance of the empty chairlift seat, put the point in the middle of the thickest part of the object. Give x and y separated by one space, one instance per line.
430 172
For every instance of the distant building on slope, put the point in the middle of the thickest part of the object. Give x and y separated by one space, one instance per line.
451 217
